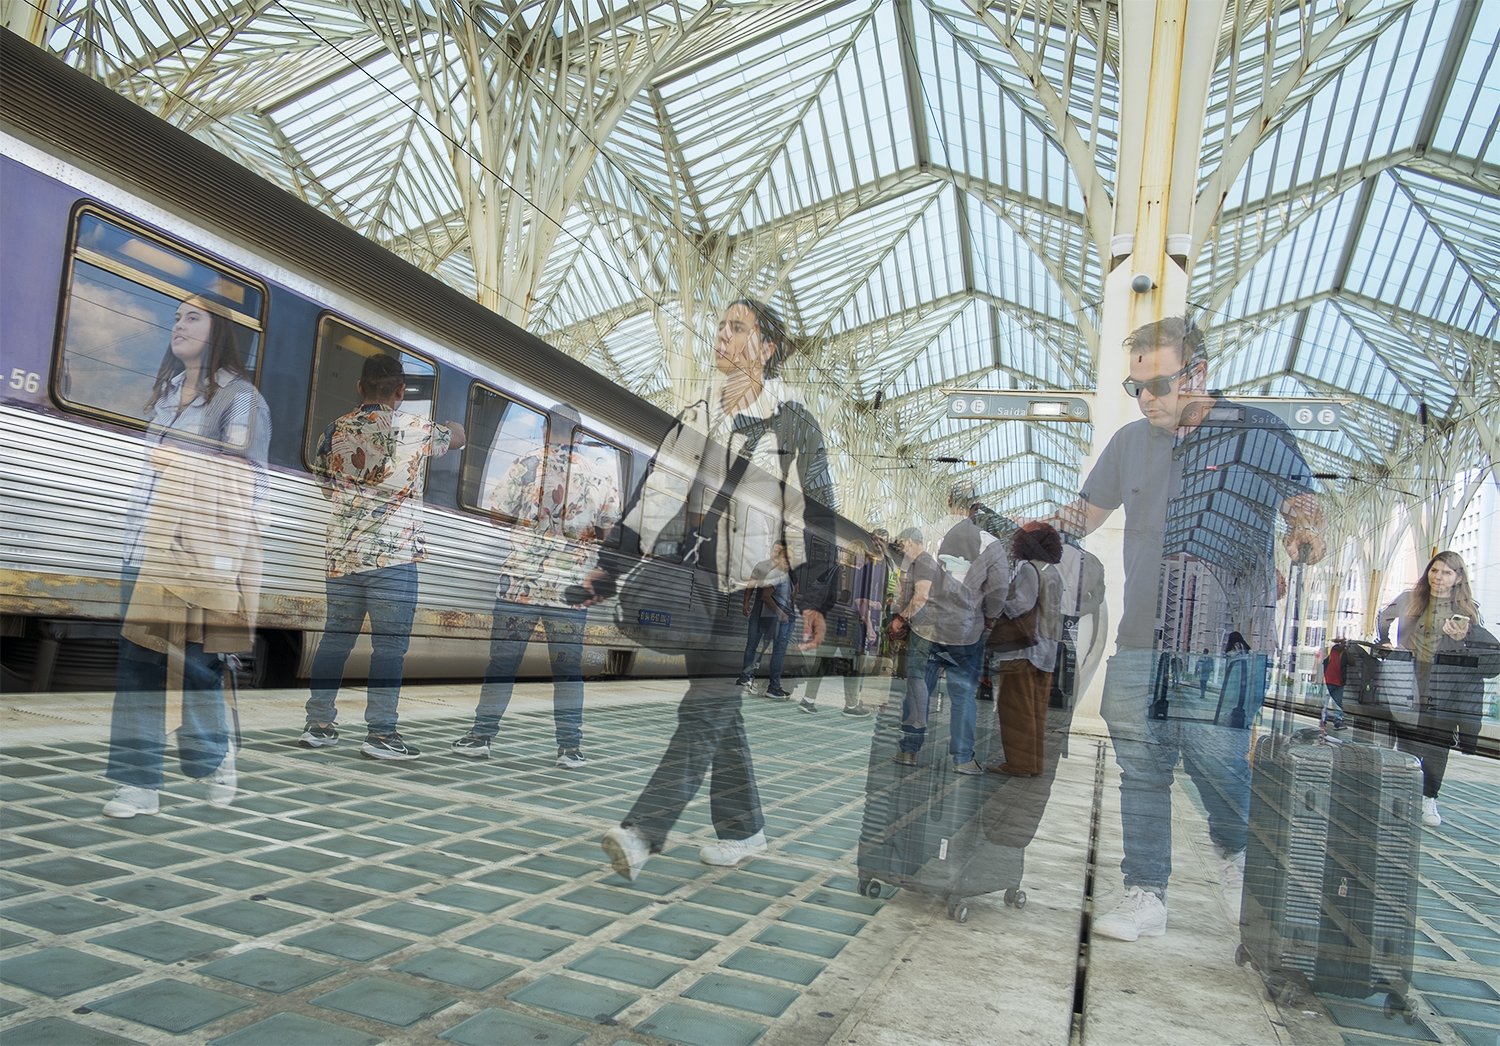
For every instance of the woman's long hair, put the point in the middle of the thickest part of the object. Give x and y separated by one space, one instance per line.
1463 595
223 354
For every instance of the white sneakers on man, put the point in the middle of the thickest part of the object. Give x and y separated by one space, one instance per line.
627 850
1430 815
1231 882
130 800
223 782
733 851
1140 914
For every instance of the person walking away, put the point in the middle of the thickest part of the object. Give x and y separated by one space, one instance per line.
1333 679
769 605
548 578
370 465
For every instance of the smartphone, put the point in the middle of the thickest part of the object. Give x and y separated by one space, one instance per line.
1460 620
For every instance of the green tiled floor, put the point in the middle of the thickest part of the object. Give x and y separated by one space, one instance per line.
342 900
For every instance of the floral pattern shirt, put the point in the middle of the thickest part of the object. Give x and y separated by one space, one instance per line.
371 460
555 544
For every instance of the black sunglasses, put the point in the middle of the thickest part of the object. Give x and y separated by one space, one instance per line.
1158 387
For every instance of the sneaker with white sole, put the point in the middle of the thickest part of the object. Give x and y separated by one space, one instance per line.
473 746
1430 815
1231 882
1140 914
627 851
571 758
732 851
318 735
388 746
968 769
807 706
130 800
223 782
858 711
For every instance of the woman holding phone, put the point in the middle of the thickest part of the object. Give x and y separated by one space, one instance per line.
1438 621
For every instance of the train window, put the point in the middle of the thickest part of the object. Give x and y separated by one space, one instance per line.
606 466
502 433
664 502
124 290
338 359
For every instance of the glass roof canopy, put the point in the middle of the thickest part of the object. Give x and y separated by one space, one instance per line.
911 187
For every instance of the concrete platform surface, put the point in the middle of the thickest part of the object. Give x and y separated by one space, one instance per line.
345 900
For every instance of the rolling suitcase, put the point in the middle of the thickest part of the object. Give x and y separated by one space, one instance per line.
921 827
1329 901
1380 682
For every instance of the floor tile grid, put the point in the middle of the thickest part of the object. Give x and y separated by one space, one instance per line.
1446 974
374 903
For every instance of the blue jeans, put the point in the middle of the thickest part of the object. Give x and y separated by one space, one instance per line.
1336 695
760 627
963 664
514 624
1147 751
138 721
389 597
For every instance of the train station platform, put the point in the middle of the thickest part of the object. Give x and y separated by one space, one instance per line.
343 900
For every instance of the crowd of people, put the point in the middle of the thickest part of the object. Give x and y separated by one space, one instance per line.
1203 499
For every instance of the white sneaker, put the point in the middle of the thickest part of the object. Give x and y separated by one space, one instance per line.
571 758
1430 815
733 851
627 850
1231 882
1140 914
223 782
130 800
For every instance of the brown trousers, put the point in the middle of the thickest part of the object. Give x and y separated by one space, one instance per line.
1021 695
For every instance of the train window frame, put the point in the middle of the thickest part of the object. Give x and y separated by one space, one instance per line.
313 435
687 499
617 533
256 322
472 447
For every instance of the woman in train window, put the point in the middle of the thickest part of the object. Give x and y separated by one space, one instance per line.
746 413
190 581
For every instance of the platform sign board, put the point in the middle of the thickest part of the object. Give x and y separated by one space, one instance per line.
1322 415
991 405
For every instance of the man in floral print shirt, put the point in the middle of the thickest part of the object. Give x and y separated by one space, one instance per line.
370 464
559 504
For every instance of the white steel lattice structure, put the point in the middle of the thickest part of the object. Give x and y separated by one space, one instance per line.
927 188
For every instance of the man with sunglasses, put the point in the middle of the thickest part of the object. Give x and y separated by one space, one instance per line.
1202 482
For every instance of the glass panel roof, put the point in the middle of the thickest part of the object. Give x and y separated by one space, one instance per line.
918 184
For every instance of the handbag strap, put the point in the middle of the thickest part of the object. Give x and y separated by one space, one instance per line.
753 431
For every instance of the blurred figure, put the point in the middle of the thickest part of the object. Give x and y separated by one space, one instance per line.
190 581
769 606
1023 682
735 514
1333 679
1439 622
547 578
370 466
866 595
1202 482
965 586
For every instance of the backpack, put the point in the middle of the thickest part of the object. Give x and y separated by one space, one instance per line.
956 601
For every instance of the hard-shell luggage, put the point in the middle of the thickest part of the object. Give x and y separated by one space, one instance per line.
1329 899
1380 682
922 828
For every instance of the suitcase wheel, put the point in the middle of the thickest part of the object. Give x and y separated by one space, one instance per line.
1396 1003
1241 955
869 887
959 911
1015 898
